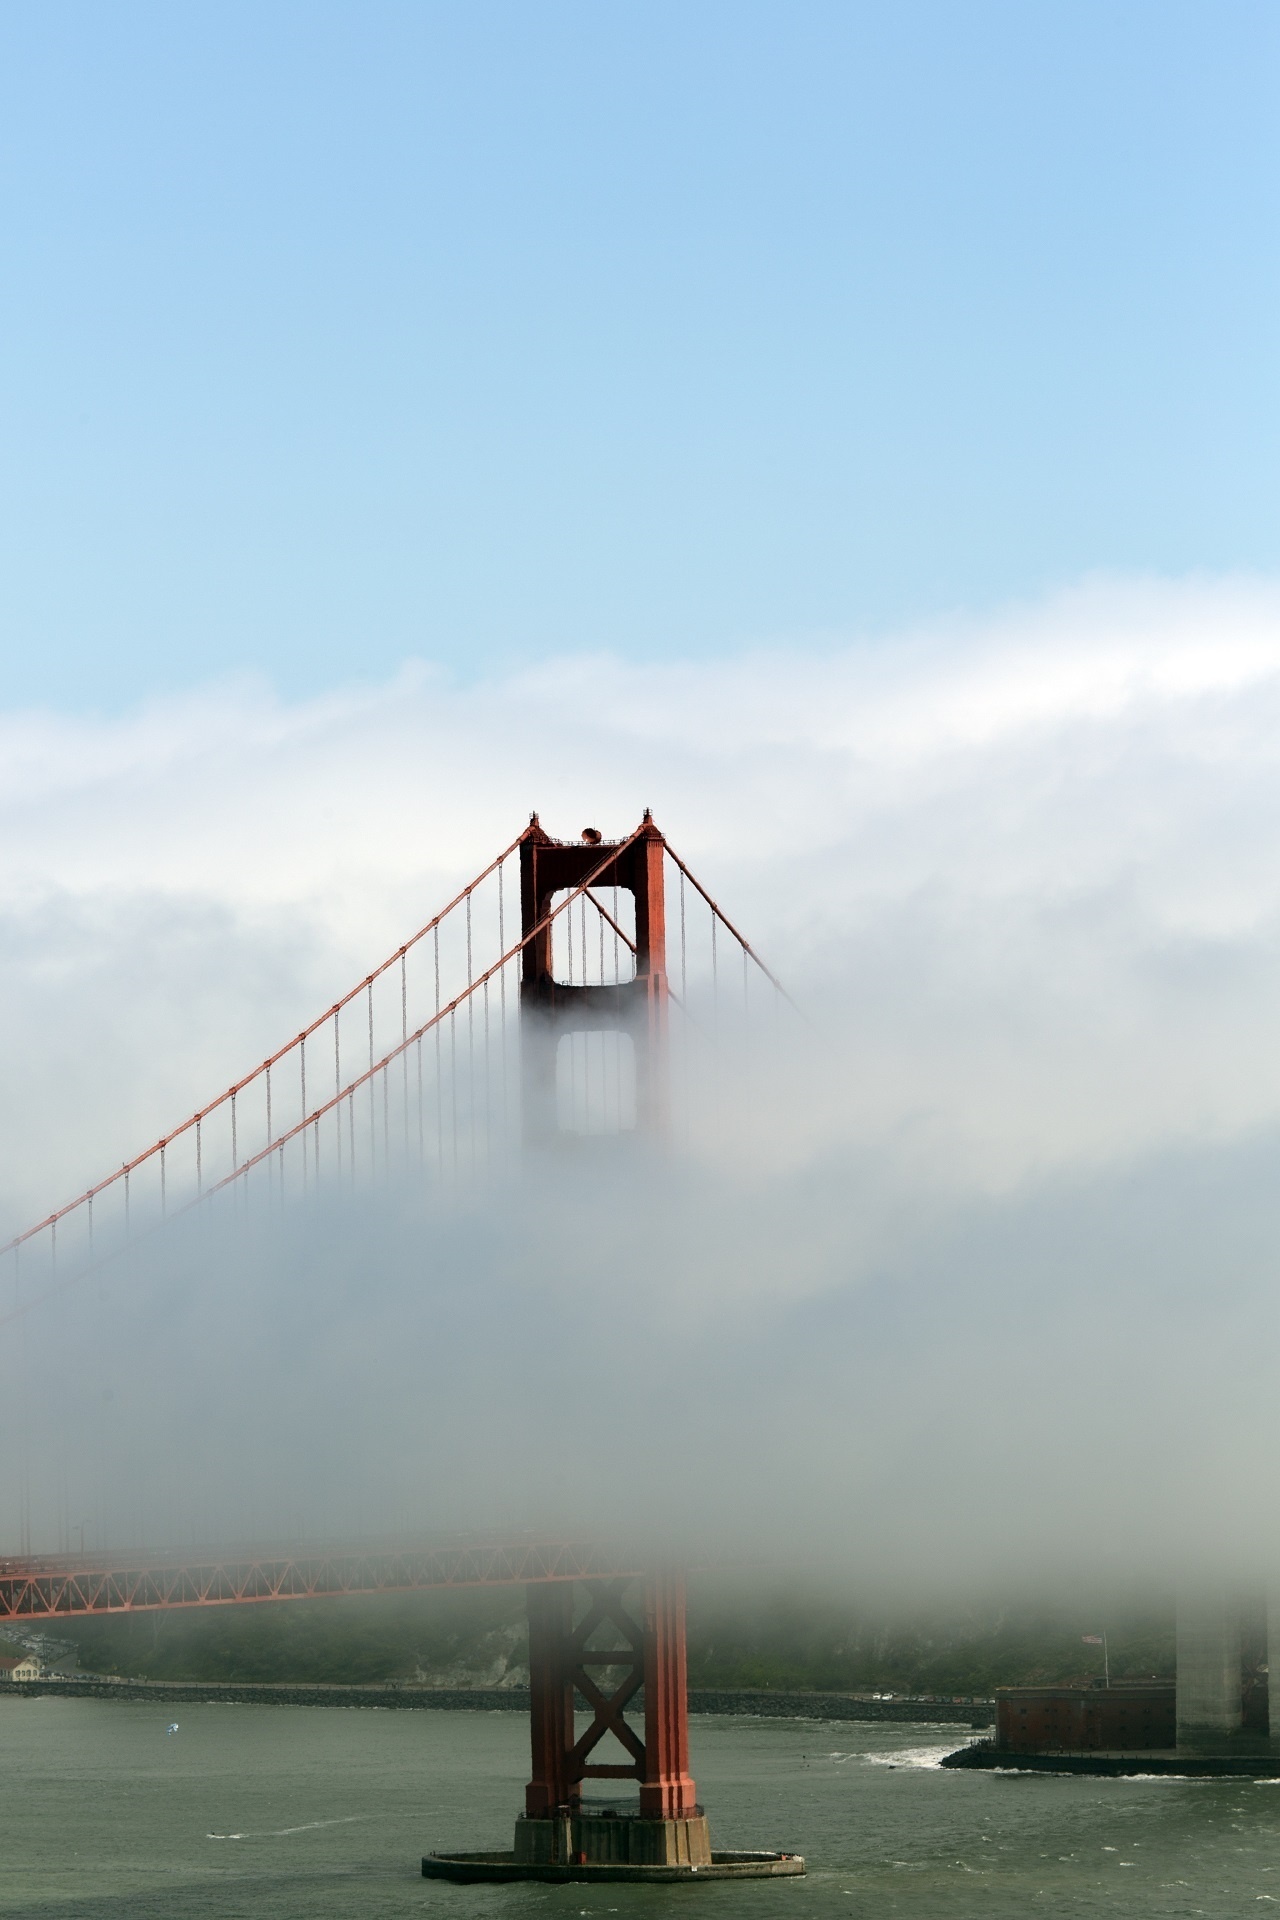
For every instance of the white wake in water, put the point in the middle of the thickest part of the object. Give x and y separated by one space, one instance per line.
909 1757
278 1833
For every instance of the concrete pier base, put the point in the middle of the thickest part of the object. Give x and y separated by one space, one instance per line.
470 1868
611 1846
579 1844
614 1840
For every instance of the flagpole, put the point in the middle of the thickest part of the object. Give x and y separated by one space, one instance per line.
1100 1640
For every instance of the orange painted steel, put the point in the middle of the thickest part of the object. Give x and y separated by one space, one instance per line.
96 1584
667 1790
550 1698
647 1653
551 1007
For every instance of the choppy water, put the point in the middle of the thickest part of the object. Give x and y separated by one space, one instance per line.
278 1813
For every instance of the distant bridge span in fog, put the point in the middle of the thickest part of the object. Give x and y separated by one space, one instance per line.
61 1588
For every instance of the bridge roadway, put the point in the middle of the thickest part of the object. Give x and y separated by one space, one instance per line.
69 1587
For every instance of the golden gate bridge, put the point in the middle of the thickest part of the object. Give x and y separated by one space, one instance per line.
574 992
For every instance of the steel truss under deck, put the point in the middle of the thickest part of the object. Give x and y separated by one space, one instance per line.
64 1588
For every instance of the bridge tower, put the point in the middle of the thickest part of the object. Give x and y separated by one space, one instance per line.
571 1646
551 1008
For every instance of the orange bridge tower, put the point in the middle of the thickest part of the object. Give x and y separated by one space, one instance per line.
626 1639
615 988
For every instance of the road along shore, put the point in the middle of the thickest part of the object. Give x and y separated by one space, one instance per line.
766 1701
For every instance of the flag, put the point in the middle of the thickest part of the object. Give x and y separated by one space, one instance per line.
1092 1639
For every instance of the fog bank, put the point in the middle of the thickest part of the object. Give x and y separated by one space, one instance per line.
978 1262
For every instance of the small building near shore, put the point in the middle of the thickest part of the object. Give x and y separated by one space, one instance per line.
28 1668
1133 1717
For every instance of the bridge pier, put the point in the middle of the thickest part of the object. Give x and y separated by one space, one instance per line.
667 1826
1225 1689
607 1653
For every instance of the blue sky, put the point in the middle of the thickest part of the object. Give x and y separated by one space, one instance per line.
336 335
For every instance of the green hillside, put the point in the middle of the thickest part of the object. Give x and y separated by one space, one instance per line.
470 1638
737 1638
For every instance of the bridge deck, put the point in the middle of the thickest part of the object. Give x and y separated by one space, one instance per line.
60 1588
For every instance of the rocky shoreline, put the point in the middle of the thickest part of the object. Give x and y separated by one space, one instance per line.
765 1701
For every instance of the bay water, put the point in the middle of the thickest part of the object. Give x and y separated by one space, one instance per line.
302 1813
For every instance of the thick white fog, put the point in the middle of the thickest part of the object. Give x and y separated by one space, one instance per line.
980 1256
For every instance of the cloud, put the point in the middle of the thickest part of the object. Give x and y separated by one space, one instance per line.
985 1245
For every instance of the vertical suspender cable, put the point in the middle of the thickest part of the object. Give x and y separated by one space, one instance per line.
18 1352
453 1080
24 1503
422 1145
488 1130
502 996
684 958
385 1078
373 1107
471 1047
715 984
404 1045
685 1047
439 1085
337 1094
746 1030
715 1011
